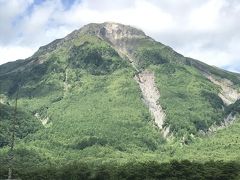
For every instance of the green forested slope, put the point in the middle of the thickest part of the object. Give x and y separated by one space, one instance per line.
25 124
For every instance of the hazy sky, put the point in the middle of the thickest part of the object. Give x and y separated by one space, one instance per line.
208 30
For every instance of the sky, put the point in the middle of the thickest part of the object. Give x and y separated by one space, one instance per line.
207 30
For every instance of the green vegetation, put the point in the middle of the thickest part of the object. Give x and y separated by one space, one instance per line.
135 170
233 108
97 59
116 109
26 124
190 100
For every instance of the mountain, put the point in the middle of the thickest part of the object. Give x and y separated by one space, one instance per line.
108 94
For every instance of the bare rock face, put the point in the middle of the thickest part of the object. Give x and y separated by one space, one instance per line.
115 31
151 95
121 37
228 93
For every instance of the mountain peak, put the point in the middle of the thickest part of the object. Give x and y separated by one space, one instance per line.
112 30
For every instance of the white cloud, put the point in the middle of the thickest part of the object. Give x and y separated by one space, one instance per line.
15 52
206 16
206 30
10 10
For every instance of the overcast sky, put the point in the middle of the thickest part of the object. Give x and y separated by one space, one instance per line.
208 30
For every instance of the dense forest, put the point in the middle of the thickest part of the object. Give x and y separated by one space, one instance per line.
134 171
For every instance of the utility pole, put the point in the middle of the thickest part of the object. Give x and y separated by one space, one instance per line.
12 141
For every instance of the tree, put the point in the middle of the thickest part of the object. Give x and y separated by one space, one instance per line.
12 141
